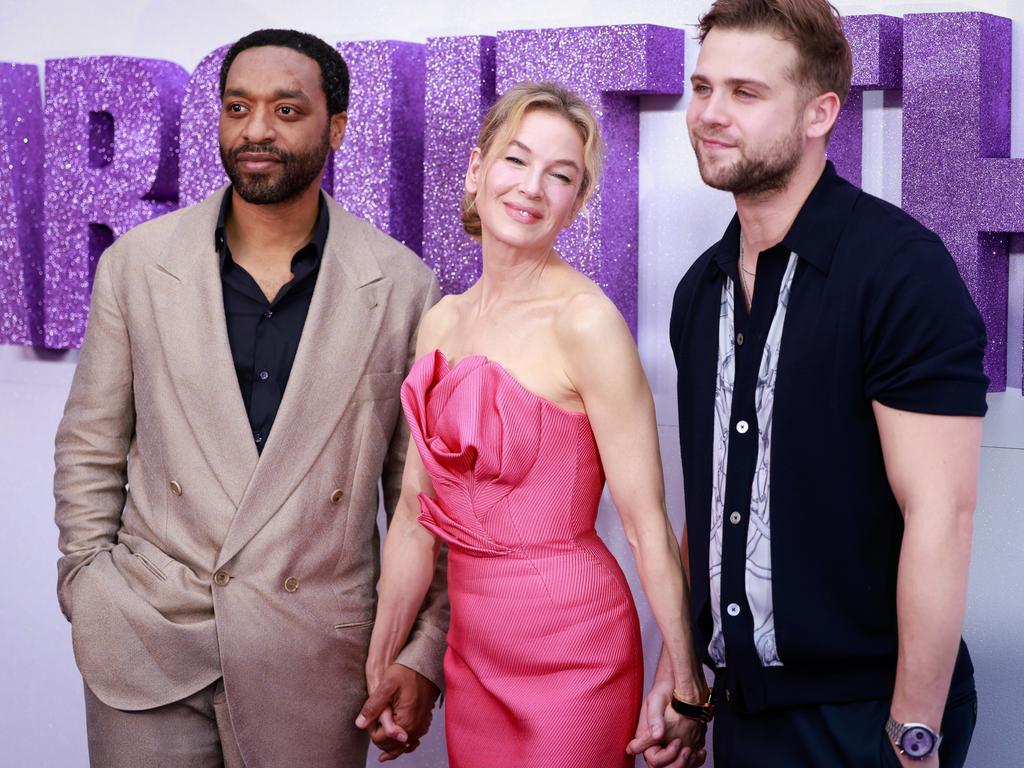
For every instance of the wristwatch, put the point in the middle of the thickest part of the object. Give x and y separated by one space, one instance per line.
915 740
704 712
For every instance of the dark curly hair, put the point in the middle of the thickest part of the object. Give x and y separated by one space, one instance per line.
333 70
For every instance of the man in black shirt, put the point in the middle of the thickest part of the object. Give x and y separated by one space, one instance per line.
830 401
234 411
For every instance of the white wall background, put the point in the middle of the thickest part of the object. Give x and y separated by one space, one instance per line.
41 709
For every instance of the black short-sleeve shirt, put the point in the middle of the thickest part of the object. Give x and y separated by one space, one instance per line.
877 312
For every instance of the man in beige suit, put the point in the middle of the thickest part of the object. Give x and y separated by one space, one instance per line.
219 576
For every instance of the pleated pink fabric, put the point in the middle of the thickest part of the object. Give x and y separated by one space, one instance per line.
544 664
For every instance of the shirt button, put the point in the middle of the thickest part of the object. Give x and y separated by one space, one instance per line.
728 695
732 609
735 518
739 339
336 495
175 487
268 314
221 578
264 375
258 437
291 584
742 427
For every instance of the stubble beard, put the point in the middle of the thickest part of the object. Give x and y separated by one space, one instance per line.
298 170
753 175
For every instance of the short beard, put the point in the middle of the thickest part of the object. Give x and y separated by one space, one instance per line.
769 171
298 171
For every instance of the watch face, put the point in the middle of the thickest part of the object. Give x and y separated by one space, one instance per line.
917 742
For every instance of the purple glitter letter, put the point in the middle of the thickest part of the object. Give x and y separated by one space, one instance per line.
378 172
201 171
111 163
459 91
608 66
957 176
877 45
21 205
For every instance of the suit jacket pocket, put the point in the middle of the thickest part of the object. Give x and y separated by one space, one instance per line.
151 557
354 624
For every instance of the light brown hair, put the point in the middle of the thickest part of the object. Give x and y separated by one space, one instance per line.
812 26
502 122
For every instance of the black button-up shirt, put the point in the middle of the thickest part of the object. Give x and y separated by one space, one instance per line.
877 311
264 335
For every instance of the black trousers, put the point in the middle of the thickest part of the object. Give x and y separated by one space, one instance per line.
830 735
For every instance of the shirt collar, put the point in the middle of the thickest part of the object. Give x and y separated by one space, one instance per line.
318 239
816 230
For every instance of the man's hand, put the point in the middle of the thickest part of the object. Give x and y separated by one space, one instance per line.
398 711
666 738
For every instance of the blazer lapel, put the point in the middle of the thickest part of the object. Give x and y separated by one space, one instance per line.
344 318
185 289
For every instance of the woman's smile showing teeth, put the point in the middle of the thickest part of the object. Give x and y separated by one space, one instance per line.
521 214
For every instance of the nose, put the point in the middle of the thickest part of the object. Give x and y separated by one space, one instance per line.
259 128
707 112
530 183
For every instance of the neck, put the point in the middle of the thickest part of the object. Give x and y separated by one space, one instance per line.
766 218
274 228
510 272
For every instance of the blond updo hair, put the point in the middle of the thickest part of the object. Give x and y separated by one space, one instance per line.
502 122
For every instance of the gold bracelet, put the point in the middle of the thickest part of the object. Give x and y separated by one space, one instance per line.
703 711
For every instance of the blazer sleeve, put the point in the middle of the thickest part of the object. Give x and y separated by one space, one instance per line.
424 651
91 452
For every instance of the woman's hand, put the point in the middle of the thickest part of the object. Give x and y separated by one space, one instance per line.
664 737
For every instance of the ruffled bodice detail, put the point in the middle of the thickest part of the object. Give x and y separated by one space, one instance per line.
481 435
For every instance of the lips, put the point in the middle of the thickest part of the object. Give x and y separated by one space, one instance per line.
523 214
257 161
713 144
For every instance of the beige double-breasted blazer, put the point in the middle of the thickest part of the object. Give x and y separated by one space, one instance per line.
187 556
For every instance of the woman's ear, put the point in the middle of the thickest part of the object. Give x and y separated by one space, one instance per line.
473 171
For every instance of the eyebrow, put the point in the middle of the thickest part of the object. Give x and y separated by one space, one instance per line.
733 81
525 148
279 94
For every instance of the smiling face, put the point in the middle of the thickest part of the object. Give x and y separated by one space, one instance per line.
748 120
275 132
528 188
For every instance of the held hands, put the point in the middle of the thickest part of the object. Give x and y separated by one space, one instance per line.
666 738
398 711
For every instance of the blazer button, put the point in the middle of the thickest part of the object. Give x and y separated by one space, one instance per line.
175 488
221 578
336 495
291 584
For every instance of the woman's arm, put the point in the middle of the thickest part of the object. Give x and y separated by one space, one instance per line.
604 367
395 718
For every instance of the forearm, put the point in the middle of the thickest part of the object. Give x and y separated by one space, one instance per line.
661 574
410 557
931 594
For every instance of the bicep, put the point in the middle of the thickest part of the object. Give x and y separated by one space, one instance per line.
929 459
607 373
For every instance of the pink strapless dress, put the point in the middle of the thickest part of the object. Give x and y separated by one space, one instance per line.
544 664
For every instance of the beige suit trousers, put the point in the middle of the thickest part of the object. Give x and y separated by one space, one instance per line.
195 732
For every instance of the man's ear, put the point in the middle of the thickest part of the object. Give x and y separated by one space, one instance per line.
821 113
338 124
473 171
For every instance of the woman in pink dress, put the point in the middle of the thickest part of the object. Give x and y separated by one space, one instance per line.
527 395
